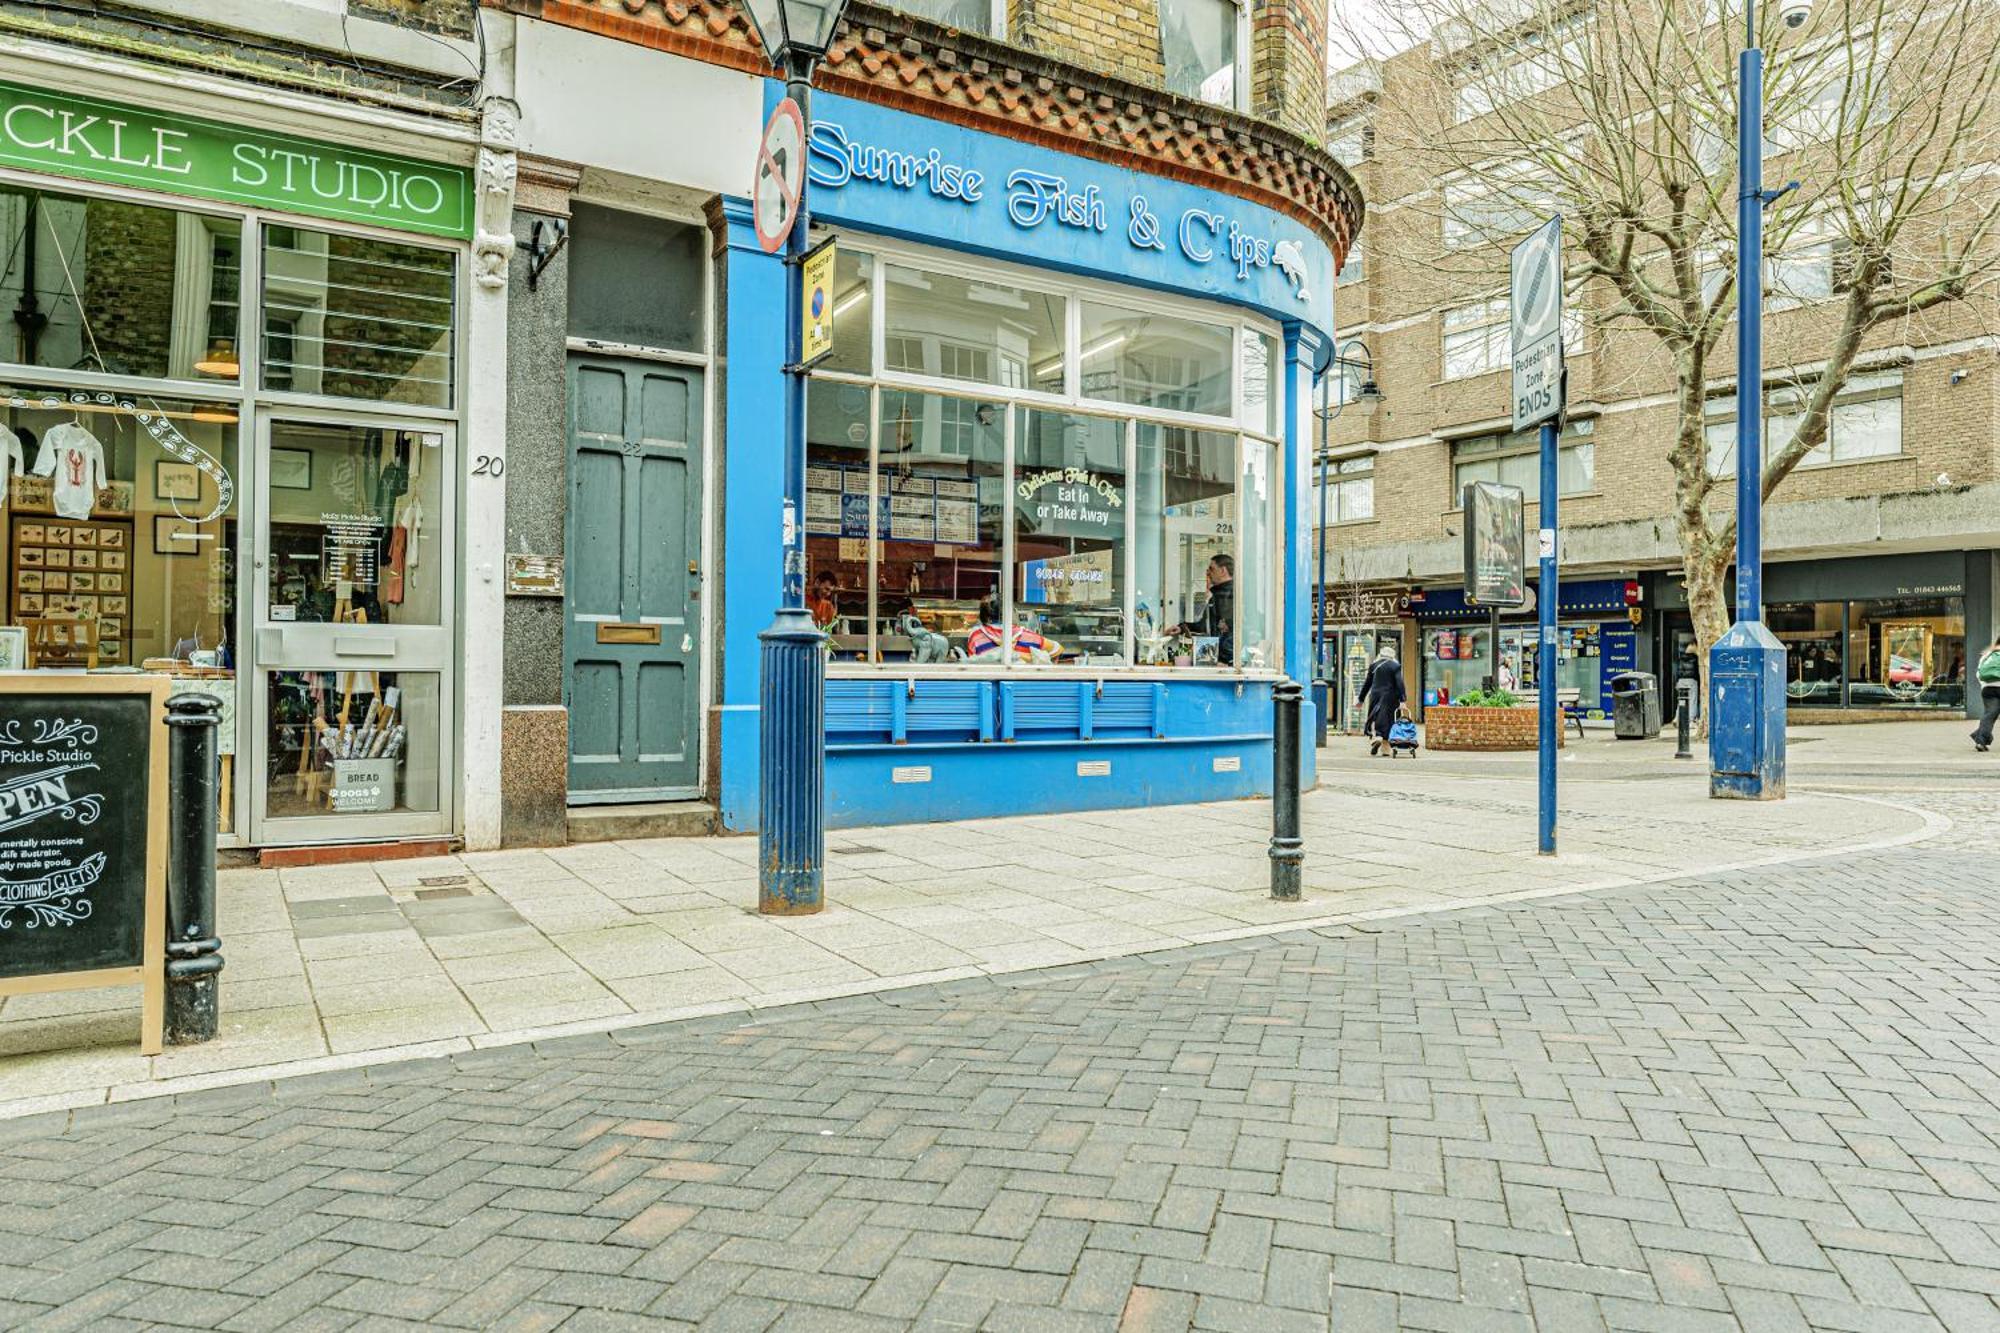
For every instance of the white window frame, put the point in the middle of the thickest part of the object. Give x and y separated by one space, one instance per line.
885 252
1498 334
1719 421
1344 476
1240 92
1576 436
1523 51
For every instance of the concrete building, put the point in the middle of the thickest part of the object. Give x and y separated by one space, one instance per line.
1881 548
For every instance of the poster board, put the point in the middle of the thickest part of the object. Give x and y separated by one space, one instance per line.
83 837
1495 544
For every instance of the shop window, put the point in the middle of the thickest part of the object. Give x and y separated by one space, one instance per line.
353 743
636 279
355 519
980 16
1350 491
1254 643
1159 361
1515 460
356 317
853 313
1187 520
939 482
119 288
941 326
120 536
1201 44
1263 387
1906 653
839 522
1866 422
1070 507
1815 670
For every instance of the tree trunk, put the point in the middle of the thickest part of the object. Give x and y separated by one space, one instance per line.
1708 605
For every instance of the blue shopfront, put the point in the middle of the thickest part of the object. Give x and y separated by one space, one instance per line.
1597 638
1055 476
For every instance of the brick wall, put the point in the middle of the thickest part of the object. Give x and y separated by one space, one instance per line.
127 278
1462 728
1286 61
446 16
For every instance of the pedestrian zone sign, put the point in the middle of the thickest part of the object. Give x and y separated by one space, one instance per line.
1537 270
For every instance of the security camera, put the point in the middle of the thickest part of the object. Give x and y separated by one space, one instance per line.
1794 13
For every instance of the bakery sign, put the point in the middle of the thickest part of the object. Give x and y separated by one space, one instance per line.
83 768
1358 607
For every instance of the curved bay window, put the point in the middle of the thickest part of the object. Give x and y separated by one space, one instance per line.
1010 472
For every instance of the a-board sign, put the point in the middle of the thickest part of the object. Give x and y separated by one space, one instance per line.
83 822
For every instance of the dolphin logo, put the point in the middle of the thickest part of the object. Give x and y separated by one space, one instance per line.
1290 257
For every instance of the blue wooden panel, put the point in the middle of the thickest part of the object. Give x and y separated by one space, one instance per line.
948 709
1045 706
861 710
1128 707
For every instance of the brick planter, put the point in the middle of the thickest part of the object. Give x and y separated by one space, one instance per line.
1456 727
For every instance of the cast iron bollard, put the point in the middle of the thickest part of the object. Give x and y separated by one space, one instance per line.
1322 711
194 945
1288 849
1685 689
791 832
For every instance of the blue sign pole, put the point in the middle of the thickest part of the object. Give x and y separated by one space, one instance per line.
1547 596
1746 672
791 819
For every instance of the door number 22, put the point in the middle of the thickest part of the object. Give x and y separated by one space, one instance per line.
488 465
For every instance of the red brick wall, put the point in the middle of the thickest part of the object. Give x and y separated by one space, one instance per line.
1460 728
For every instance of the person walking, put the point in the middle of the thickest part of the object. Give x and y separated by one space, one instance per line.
1381 695
1989 697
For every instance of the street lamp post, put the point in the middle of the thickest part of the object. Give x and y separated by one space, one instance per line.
1746 673
791 825
1368 392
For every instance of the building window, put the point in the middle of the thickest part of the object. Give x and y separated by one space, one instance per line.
1201 46
1866 422
1350 491
1050 505
119 288
636 280
1355 269
1502 203
364 318
1351 139
1478 338
1515 460
981 16
1523 65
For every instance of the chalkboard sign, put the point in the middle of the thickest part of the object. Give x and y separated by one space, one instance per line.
82 835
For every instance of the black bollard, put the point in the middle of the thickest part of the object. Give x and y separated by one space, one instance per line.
1685 689
1288 849
194 945
1322 710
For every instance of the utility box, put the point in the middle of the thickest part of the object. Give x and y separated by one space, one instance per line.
1635 705
1746 714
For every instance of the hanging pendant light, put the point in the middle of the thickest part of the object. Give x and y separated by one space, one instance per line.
220 360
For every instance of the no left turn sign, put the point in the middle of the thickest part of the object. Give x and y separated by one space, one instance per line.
781 176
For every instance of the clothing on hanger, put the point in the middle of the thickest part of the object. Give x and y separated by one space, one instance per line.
401 559
11 463
73 457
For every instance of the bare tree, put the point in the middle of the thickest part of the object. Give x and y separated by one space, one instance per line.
1621 115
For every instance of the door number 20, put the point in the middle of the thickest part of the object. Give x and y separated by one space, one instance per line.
488 465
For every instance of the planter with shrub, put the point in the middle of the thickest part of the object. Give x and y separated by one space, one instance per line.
1483 720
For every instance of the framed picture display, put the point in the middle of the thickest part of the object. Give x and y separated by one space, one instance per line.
111 583
174 535
112 538
57 557
28 580
13 648
83 559
292 469
111 560
34 533
176 481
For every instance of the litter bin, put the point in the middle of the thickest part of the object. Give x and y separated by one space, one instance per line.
1635 705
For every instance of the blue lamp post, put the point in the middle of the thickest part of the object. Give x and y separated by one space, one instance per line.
1367 392
1746 667
791 824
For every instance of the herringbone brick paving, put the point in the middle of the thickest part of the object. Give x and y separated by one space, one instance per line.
1761 1101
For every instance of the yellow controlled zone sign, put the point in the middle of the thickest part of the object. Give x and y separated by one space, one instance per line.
816 304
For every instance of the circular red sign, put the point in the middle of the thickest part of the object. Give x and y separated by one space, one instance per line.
781 176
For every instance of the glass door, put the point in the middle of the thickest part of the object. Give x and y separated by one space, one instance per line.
351 590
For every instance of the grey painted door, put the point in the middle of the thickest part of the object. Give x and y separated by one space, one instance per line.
631 650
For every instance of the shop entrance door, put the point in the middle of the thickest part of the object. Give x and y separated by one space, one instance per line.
352 589
631 651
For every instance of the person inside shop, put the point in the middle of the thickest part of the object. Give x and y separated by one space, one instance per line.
1218 618
1381 695
823 605
988 639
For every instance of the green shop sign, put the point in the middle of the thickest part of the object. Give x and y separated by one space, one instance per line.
119 145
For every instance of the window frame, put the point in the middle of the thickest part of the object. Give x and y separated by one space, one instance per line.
1887 384
884 252
1240 78
1577 435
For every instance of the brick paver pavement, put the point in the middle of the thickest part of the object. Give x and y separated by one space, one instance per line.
1765 1100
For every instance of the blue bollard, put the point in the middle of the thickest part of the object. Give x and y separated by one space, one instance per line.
791 825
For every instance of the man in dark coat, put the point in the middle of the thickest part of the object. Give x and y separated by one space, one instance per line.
1381 695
